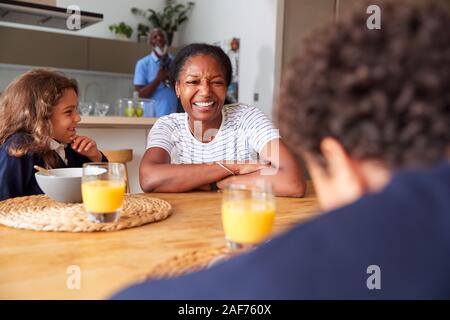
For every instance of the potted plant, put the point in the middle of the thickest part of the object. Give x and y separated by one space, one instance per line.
142 32
122 30
172 16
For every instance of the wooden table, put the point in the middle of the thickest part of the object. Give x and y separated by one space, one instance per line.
34 265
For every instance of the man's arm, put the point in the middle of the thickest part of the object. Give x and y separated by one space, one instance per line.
148 90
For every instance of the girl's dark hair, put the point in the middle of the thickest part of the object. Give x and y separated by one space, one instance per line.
383 94
196 49
27 105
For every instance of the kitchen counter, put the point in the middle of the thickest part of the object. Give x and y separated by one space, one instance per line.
117 122
115 133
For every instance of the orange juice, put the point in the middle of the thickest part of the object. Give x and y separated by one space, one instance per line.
247 221
103 196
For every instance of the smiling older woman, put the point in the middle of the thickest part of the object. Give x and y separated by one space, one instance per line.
212 142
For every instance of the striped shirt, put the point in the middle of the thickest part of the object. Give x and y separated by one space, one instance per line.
244 131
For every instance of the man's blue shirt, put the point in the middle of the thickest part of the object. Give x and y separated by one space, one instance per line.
146 70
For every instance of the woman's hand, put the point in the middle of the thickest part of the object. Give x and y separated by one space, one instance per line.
205 187
86 147
240 168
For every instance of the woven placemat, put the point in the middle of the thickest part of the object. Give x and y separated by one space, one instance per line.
188 262
41 213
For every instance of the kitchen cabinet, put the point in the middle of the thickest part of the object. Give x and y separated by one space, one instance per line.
38 48
300 18
347 5
65 51
115 56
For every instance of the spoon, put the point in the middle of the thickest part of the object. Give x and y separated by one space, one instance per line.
43 170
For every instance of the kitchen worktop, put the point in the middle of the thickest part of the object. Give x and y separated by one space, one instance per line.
117 122
116 133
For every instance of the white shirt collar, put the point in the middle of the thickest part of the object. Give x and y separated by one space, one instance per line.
59 148
154 56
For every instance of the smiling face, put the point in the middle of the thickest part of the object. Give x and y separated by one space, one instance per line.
202 88
65 117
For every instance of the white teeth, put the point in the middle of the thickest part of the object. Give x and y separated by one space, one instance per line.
204 104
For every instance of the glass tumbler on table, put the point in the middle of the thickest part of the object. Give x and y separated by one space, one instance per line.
248 213
103 190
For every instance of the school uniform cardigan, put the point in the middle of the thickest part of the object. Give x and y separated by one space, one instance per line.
394 244
17 173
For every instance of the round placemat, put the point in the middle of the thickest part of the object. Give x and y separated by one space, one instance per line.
189 262
41 213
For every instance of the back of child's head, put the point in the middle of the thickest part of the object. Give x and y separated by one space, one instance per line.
383 94
27 105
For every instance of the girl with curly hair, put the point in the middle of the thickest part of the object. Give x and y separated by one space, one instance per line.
38 119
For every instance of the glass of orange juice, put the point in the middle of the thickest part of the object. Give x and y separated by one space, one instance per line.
248 213
103 190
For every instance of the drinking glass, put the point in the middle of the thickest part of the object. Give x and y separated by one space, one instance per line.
124 107
85 108
149 108
248 213
103 190
101 109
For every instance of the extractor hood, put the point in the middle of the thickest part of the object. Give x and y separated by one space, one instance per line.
43 15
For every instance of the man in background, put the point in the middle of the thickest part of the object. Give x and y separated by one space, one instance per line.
233 88
151 74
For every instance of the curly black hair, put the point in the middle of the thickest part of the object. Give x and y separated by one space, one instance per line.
196 49
383 94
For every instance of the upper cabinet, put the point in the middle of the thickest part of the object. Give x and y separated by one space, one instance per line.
300 18
37 48
347 5
47 49
115 56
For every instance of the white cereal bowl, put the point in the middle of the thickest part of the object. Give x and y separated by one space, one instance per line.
62 185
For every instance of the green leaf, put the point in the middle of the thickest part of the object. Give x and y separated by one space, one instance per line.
170 18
